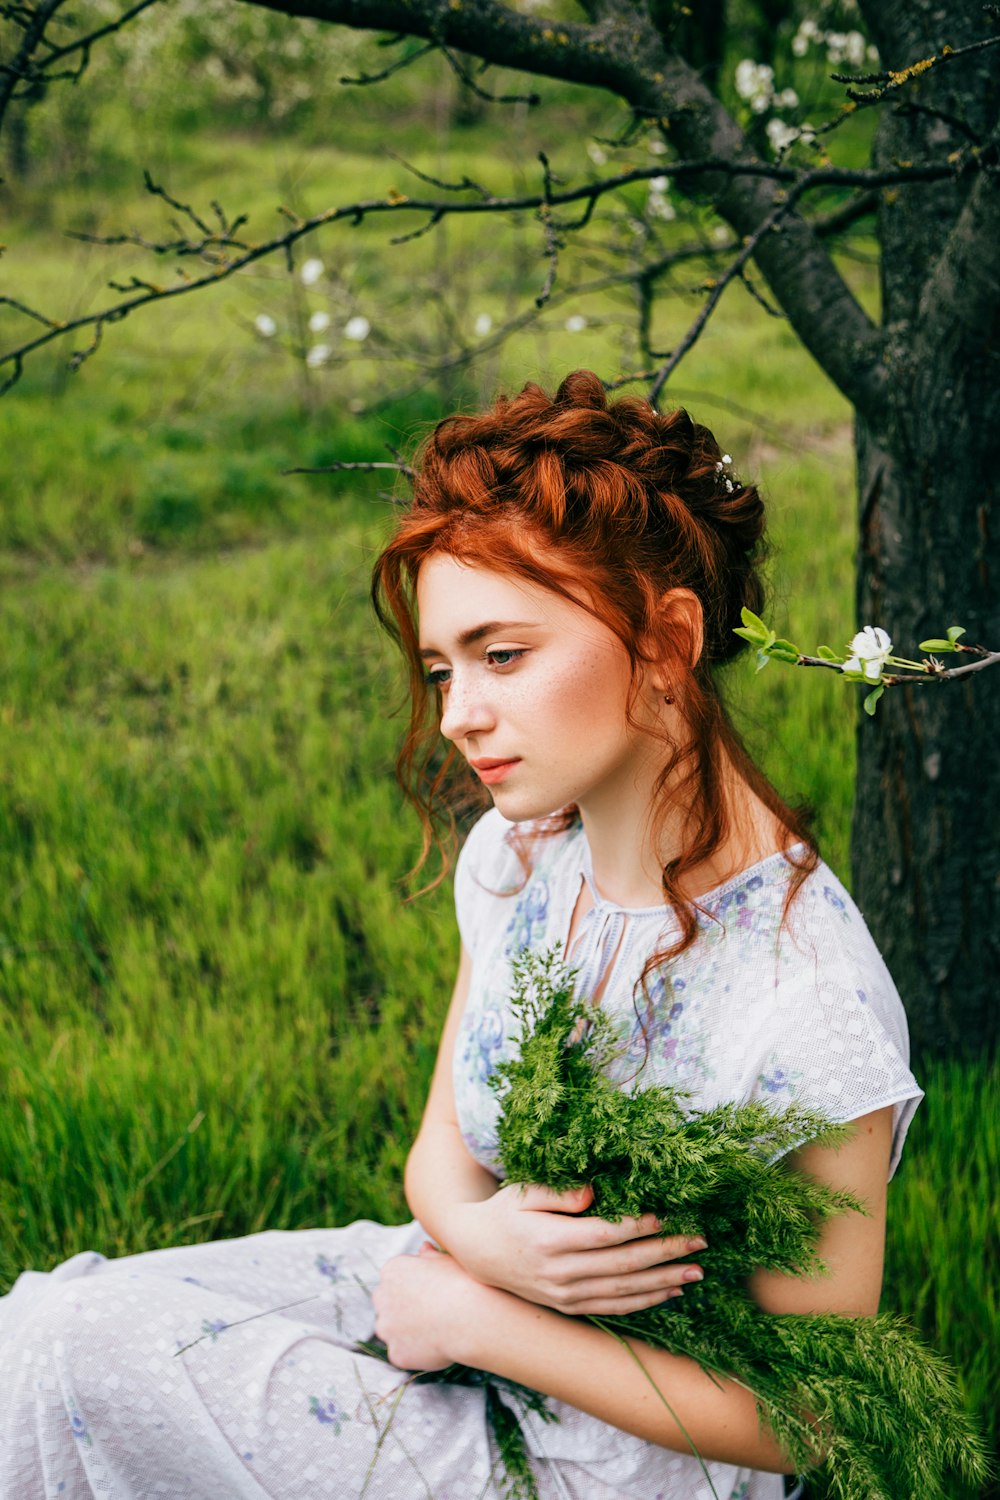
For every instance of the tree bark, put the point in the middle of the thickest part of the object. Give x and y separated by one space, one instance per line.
926 834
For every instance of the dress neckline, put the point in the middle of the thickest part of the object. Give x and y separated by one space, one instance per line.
586 869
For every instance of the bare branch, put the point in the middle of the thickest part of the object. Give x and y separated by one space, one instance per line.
889 82
364 468
758 295
21 69
467 184
859 207
622 51
32 312
734 270
85 43
552 241
470 83
396 67
226 255
28 69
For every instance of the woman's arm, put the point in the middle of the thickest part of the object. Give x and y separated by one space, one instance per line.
440 1172
530 1240
645 1391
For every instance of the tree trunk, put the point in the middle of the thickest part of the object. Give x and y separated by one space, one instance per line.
926 836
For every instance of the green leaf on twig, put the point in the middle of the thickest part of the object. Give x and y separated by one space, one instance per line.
938 644
754 623
873 698
825 653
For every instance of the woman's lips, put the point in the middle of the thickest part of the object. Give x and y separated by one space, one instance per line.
490 771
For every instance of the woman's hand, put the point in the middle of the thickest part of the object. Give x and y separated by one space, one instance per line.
533 1242
423 1303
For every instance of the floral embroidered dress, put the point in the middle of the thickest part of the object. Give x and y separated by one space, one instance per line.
171 1374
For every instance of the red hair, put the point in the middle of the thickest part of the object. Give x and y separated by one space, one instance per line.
609 505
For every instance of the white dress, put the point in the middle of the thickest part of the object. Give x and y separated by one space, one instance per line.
174 1374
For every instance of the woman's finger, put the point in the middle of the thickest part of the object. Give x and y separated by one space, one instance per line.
618 1307
652 1284
570 1232
532 1196
637 1255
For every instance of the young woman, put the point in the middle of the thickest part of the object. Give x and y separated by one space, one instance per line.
564 586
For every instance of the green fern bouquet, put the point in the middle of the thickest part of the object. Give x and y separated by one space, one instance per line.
884 1409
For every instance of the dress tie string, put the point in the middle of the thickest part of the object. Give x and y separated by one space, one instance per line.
596 944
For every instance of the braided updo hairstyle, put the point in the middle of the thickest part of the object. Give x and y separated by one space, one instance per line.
610 505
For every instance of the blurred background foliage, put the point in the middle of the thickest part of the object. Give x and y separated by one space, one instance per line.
218 1013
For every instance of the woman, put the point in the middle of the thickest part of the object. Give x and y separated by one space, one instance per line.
564 586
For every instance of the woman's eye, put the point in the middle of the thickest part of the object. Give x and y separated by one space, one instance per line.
503 658
438 676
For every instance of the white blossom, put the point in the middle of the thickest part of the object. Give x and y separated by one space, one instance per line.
656 147
836 47
597 155
658 204
755 83
265 325
312 270
808 32
318 355
319 322
781 135
483 325
357 329
855 48
576 323
787 99
870 648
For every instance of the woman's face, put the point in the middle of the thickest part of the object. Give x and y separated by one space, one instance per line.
533 690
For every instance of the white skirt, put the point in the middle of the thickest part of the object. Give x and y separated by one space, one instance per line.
230 1371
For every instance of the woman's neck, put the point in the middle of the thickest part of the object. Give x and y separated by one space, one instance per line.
627 864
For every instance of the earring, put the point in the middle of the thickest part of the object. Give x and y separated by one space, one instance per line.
667 698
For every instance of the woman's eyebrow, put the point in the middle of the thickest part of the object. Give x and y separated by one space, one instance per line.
477 632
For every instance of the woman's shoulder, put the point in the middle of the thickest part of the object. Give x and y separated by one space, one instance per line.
829 937
832 1030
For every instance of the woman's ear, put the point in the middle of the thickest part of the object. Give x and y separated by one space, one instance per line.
676 637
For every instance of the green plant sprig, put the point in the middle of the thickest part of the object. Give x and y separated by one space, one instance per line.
862 1398
866 658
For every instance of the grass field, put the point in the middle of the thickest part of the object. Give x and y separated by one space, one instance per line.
218 1013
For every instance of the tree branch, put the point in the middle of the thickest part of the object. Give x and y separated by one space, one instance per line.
889 82
226 254
571 50
984 659
20 69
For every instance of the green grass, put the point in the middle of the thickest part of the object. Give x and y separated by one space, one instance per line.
217 1012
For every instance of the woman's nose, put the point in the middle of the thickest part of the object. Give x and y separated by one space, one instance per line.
465 709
